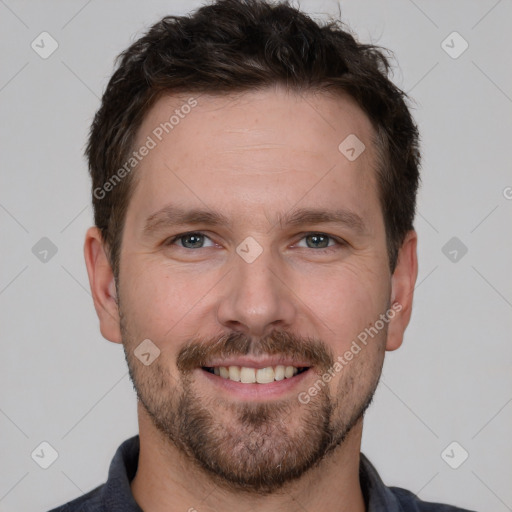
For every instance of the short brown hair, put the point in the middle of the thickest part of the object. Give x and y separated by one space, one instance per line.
234 46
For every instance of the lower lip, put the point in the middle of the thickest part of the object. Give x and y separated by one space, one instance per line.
272 390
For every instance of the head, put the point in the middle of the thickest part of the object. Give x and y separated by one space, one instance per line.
289 158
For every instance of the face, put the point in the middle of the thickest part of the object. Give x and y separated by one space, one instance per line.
253 256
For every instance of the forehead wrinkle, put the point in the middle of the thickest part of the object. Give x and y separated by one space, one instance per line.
255 146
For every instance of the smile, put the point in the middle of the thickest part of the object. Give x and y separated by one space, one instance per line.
251 375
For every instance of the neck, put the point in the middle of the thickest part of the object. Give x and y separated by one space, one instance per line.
167 480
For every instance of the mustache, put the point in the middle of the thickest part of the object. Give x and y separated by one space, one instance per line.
196 352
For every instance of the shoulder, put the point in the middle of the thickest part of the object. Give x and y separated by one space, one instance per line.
380 497
89 502
115 493
411 503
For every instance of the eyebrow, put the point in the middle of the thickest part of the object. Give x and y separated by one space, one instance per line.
172 215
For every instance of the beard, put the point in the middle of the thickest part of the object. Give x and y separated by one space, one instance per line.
252 447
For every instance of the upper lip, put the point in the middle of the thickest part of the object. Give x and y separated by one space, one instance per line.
253 362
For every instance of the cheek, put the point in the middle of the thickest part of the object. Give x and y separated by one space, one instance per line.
346 301
361 368
157 298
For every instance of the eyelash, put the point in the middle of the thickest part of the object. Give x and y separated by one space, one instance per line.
339 242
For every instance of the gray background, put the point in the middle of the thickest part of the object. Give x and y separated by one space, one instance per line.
451 381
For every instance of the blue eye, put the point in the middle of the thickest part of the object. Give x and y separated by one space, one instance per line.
191 240
318 241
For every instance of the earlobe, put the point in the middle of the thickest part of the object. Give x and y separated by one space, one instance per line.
403 282
102 283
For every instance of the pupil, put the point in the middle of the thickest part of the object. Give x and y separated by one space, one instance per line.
196 243
318 239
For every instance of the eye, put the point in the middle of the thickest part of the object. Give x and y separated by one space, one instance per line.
320 241
197 240
193 240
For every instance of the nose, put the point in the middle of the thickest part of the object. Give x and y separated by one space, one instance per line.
258 297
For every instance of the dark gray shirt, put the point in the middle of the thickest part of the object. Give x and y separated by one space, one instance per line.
115 495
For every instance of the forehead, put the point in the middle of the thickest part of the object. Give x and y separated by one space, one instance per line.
259 148
309 120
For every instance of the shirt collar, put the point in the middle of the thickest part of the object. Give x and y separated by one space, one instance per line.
117 494
378 497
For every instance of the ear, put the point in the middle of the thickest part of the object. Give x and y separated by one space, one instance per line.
403 281
103 287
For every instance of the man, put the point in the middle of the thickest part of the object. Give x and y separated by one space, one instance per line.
254 187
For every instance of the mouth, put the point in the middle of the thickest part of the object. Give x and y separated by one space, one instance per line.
256 375
247 378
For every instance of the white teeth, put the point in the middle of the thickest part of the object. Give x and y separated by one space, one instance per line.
249 375
288 372
279 372
265 375
234 373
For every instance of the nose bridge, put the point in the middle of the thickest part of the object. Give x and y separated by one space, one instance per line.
256 299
